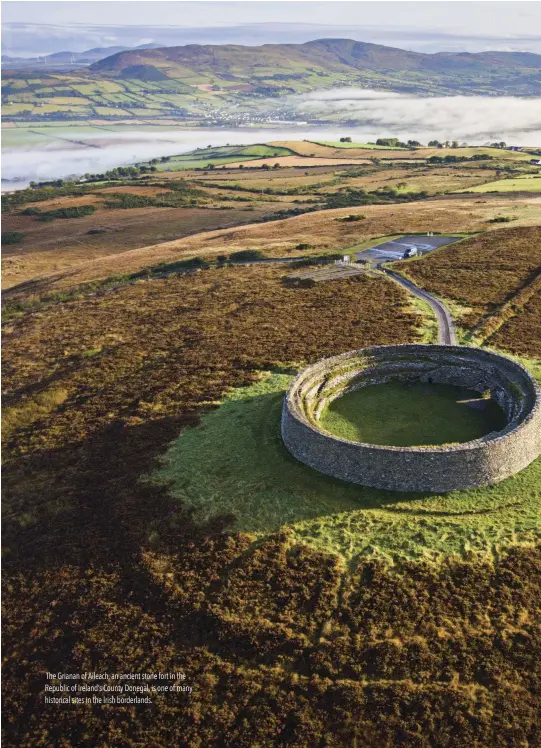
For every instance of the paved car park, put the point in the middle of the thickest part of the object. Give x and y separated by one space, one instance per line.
394 250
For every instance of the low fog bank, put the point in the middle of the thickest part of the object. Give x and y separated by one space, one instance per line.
360 114
475 119
95 151
102 150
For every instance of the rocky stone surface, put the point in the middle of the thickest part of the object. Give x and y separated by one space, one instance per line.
484 461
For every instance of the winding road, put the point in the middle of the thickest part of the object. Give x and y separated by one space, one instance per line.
446 329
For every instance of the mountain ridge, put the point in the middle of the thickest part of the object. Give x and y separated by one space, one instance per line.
236 85
498 71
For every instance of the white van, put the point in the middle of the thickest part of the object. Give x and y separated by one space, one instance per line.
410 252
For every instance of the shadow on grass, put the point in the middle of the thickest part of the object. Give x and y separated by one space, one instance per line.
234 465
83 592
87 504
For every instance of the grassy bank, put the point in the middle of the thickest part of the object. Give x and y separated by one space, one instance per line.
234 464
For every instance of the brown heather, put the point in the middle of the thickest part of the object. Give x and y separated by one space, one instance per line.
282 645
79 259
497 278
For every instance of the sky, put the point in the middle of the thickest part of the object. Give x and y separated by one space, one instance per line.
43 27
493 17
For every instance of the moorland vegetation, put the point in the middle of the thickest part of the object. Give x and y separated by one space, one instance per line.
153 519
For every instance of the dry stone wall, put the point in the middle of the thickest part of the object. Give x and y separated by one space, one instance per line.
483 461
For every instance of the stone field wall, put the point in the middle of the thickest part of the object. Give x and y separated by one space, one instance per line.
484 461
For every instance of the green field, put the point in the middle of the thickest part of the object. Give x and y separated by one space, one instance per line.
401 414
371 146
529 183
221 155
234 464
58 94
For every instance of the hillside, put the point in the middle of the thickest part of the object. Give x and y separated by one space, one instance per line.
279 66
154 522
54 227
233 85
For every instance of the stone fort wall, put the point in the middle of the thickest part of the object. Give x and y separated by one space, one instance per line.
483 461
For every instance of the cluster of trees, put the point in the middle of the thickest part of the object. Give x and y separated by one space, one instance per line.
445 144
265 167
396 143
121 172
52 183
456 144
178 199
12 237
458 159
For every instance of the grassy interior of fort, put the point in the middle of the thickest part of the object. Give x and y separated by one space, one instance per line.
234 465
403 414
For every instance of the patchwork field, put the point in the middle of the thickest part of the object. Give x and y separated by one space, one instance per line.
345 144
76 94
297 161
308 148
172 197
530 183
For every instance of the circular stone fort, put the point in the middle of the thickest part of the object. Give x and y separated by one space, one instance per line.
440 468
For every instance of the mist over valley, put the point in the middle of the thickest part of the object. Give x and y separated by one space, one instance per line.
42 153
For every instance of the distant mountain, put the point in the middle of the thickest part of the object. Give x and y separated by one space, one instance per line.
69 58
238 85
281 68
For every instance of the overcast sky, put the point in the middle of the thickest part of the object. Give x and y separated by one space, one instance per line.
421 26
492 17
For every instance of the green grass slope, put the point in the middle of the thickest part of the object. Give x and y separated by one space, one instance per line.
210 157
235 465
